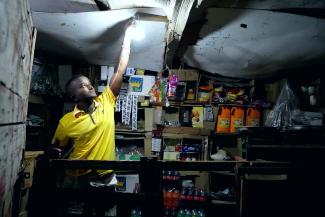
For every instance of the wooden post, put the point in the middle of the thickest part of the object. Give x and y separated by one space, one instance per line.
150 179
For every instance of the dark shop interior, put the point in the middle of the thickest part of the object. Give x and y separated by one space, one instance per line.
162 108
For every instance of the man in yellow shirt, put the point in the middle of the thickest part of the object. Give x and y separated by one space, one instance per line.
90 126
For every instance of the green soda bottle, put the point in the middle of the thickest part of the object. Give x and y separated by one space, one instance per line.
181 213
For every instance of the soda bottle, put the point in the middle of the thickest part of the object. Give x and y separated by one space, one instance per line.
196 195
169 198
164 175
190 194
194 213
165 197
175 198
133 213
173 212
166 212
177 175
169 175
181 213
138 212
187 213
202 195
201 213
183 194
174 173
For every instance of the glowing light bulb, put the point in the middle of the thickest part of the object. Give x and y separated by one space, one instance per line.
136 32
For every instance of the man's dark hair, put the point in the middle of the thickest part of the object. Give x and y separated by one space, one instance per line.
67 85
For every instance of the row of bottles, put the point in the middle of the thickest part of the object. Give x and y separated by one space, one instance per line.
193 194
171 175
172 197
172 212
230 118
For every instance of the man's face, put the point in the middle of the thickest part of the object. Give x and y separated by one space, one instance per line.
81 89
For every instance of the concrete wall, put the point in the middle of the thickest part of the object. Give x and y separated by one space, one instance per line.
17 39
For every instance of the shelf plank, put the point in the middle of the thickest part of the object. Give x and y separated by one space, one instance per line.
187 130
223 202
130 132
35 99
288 146
227 173
129 138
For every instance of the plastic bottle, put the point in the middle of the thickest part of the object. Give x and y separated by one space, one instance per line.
177 175
223 122
138 212
194 213
201 213
196 196
202 195
166 212
236 118
187 213
183 194
133 213
175 199
169 175
169 198
174 173
164 175
253 116
173 212
190 194
165 197
180 213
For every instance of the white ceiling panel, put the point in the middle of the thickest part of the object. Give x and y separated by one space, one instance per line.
255 43
97 36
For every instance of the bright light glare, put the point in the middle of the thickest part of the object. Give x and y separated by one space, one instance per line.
137 33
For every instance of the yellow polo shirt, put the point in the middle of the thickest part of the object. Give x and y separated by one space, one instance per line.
93 138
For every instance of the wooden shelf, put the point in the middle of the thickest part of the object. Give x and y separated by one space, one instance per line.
213 133
129 138
186 130
223 202
118 130
227 173
188 103
35 99
288 146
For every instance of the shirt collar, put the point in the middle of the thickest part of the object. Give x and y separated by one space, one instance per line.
77 112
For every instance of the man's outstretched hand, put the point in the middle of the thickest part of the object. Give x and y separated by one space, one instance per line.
129 32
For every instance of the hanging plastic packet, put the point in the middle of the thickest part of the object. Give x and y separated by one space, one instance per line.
128 110
123 110
155 92
173 80
118 104
134 112
284 109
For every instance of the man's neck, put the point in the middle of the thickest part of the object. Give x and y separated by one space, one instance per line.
87 106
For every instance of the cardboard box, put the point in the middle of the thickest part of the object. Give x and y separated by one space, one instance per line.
186 74
24 195
171 155
30 165
149 118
